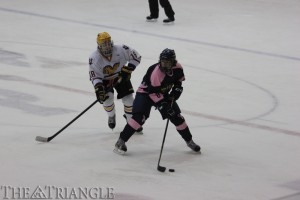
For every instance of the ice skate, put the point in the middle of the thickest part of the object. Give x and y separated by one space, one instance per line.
140 130
151 19
112 122
120 147
193 146
169 21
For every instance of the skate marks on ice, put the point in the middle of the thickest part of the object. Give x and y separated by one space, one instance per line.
294 185
51 63
20 60
273 104
242 83
186 40
295 196
244 123
25 102
58 87
13 58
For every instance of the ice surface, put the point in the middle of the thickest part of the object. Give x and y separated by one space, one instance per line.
241 99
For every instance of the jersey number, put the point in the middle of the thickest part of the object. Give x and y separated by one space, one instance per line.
92 74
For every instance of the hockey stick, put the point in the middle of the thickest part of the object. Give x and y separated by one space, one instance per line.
159 167
44 139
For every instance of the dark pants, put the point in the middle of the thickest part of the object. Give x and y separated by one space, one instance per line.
123 89
154 8
140 113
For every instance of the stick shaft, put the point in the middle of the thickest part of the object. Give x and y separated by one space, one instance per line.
163 142
73 120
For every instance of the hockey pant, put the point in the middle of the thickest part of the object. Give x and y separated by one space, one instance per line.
124 92
141 111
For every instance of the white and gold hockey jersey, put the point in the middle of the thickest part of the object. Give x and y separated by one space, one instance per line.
101 69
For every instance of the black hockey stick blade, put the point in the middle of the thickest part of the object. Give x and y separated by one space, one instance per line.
41 139
161 168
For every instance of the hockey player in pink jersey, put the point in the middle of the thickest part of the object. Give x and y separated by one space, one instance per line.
161 87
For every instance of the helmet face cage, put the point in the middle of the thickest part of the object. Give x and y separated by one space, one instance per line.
166 65
105 44
167 60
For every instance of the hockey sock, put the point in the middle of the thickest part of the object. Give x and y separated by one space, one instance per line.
185 134
127 132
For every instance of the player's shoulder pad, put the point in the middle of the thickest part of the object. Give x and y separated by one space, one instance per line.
178 66
121 46
94 54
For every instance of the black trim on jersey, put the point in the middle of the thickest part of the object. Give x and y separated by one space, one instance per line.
166 84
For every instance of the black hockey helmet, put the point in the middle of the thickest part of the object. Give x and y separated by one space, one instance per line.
167 60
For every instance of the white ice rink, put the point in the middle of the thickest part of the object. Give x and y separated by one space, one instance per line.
241 99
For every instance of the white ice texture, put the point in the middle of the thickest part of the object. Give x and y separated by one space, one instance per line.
241 99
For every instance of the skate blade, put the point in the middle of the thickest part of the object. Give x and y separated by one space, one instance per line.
169 23
119 151
139 132
151 20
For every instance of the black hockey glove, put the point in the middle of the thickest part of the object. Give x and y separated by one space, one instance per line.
126 72
165 109
176 92
100 93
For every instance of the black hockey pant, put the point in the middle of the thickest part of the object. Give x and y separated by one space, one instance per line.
141 111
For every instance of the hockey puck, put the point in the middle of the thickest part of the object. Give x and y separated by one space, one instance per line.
171 170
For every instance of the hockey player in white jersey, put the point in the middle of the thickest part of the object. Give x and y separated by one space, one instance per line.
110 68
